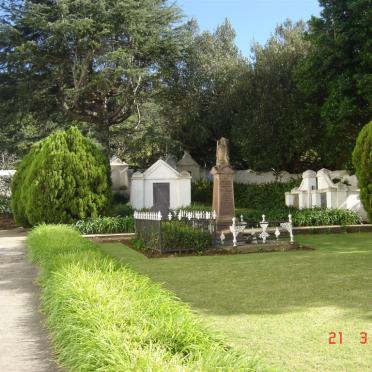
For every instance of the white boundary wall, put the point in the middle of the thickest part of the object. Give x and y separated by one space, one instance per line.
250 176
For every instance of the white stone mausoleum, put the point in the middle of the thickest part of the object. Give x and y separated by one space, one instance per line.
160 187
326 189
119 175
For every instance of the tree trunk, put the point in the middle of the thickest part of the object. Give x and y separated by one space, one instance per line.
103 137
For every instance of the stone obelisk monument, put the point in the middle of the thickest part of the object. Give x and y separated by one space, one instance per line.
223 186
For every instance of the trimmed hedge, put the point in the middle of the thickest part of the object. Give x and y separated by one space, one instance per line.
202 192
64 178
362 160
262 197
106 225
105 317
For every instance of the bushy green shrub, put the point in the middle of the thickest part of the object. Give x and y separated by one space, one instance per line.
202 192
177 235
20 184
64 178
122 210
319 217
105 317
106 225
362 160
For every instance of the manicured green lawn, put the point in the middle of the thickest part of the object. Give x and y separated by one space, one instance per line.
280 306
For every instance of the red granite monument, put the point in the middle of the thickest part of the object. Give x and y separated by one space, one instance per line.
223 186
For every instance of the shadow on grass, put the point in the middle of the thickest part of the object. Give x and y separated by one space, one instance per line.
338 273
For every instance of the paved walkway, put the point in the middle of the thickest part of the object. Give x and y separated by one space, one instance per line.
24 345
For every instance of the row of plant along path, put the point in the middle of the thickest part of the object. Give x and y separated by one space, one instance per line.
104 316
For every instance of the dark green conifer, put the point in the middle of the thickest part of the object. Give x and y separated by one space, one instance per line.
64 178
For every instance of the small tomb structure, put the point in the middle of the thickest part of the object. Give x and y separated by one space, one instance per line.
119 175
188 164
326 189
160 187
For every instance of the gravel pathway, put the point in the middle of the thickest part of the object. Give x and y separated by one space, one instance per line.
24 344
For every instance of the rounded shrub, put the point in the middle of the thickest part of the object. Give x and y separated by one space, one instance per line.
362 160
64 178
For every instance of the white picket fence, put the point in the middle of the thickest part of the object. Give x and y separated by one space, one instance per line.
176 215
148 216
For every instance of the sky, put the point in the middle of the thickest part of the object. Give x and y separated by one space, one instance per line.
253 20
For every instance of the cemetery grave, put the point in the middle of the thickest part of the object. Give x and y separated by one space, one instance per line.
165 232
113 149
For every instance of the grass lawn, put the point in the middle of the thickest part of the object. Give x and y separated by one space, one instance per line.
280 306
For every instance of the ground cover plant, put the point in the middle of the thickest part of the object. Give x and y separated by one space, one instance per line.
180 236
105 317
63 178
105 225
172 236
324 217
281 305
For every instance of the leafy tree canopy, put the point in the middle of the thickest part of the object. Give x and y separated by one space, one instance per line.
272 130
198 94
336 76
94 61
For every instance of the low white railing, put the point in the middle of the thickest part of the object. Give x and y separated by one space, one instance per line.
176 215
192 215
149 216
